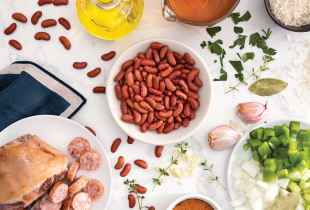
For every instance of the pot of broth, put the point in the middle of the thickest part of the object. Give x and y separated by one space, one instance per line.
198 12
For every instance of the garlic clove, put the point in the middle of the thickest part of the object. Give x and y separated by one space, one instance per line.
223 137
251 112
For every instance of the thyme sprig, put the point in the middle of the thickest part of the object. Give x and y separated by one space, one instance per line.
267 59
215 178
174 161
133 189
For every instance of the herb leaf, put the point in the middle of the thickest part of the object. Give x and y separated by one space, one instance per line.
247 16
238 30
267 87
215 47
212 31
240 41
261 43
203 44
248 56
239 68
239 56
269 51
253 39
268 33
215 61
236 17
223 77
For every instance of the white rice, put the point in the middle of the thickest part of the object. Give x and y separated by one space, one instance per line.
291 12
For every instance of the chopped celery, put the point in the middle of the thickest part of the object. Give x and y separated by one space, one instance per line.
302 135
294 175
286 130
282 174
256 156
269 176
284 140
287 163
278 130
294 187
274 142
279 163
307 198
301 166
306 140
275 153
269 132
299 146
294 157
306 190
304 155
302 184
254 143
253 134
246 146
260 133
264 150
270 164
294 127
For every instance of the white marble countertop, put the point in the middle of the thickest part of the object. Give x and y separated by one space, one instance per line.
52 56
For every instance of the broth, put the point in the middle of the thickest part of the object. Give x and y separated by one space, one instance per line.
200 10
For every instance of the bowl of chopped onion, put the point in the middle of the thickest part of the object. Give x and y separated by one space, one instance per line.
290 15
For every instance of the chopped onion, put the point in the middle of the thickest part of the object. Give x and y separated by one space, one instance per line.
283 183
240 200
254 162
250 168
258 204
241 192
237 173
251 180
300 207
283 192
245 175
248 186
272 192
237 183
262 184
254 193
238 161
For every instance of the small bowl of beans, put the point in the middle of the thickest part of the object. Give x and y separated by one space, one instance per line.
159 91
194 201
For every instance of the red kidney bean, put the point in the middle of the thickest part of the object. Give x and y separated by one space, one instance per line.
182 61
170 119
155 125
19 17
125 170
36 16
143 89
91 130
192 103
192 94
137 64
144 126
137 116
42 2
183 85
182 76
188 59
142 164
191 75
139 108
109 56
10 29
182 115
48 23
118 92
178 67
130 140
167 102
138 98
149 81
155 92
79 65
192 86
187 109
161 128
173 100
171 58
119 163
42 36
143 119
65 23
163 61
130 80
15 44
152 208
127 64
129 110
192 115
156 45
185 71
141 55
115 145
158 151
166 114
177 56
159 106
150 117
66 43
181 94
155 82
151 101
181 101
197 81
125 92
60 2
185 121
163 51
156 56
174 74
146 106
132 201
147 62
124 107
99 90
169 85
162 86
178 119
149 53
140 189
128 118
168 128
188 66
163 66
150 69
119 76
176 125
178 110
166 72
136 89
129 102
138 75
156 98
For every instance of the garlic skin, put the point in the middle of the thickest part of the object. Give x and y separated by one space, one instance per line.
251 112
223 137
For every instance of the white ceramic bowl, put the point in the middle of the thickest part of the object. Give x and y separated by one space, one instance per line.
194 196
151 137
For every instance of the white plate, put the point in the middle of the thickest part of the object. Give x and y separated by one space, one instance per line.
59 132
247 155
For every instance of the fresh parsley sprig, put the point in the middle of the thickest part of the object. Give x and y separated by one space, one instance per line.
215 178
174 161
267 59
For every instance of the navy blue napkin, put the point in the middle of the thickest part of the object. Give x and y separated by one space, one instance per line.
26 89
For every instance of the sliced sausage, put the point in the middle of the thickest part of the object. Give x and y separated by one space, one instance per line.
78 184
67 205
77 146
37 205
90 160
59 192
73 171
81 201
47 204
94 189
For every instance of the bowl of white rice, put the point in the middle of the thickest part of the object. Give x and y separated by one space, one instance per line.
293 15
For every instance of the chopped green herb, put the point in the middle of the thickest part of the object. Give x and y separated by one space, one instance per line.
215 61
247 16
239 56
215 47
253 39
248 56
268 33
236 17
212 31
223 77
239 68
203 44
222 57
261 43
270 51
240 41
238 30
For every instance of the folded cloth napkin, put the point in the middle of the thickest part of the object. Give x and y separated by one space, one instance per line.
26 89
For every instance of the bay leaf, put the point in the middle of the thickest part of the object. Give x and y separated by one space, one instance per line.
267 87
287 202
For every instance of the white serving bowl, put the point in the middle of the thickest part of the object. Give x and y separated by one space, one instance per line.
194 196
151 137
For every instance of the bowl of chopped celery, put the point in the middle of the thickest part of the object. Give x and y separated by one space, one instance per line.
270 162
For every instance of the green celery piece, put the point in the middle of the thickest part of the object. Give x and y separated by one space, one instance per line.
270 164
302 184
274 142
282 174
307 198
254 142
256 156
281 150
246 146
260 133
286 131
294 187
284 140
305 147
306 207
302 135
308 162
294 158
279 163
299 146
293 146
303 155
287 163
278 130
301 166
269 132
264 150
269 176
253 134
306 190
275 152
294 127
306 141
294 174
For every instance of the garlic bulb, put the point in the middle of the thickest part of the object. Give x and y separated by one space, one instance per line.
223 137
251 112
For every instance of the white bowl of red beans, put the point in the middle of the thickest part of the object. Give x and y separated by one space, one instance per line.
159 91
193 201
